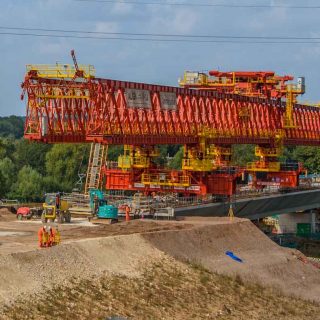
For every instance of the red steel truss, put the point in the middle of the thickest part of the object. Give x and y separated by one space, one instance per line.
120 112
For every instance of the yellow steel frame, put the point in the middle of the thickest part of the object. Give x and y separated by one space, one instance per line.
163 179
263 166
292 91
56 93
58 71
137 157
202 80
198 158
267 152
198 165
219 151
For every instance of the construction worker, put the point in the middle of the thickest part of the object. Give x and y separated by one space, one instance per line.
42 236
56 234
50 237
58 200
127 213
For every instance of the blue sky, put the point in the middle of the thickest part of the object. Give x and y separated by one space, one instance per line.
156 62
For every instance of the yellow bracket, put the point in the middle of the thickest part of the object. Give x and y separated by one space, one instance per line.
262 166
268 152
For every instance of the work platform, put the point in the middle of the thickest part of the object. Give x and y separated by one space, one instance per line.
256 208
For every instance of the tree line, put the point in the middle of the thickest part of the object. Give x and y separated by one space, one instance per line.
29 169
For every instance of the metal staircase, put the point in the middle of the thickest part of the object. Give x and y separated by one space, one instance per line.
97 159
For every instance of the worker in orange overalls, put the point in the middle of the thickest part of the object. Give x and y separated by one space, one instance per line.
127 213
42 236
51 234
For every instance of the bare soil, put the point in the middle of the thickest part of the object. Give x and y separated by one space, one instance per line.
153 270
26 237
265 262
166 289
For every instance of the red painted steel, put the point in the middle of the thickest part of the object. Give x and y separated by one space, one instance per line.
97 110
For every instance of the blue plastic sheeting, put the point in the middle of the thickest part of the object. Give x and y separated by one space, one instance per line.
233 256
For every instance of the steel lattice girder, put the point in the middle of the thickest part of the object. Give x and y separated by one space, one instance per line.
119 112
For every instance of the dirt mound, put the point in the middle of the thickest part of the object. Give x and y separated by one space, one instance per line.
30 272
264 261
132 255
104 229
166 289
6 215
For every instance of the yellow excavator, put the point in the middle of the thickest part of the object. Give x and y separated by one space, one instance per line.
55 208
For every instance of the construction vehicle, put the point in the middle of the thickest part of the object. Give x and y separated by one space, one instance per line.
55 208
100 208
28 213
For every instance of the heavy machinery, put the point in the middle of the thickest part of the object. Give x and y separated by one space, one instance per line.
100 207
28 213
206 115
55 208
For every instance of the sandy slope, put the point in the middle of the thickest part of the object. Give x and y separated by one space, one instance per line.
264 261
131 255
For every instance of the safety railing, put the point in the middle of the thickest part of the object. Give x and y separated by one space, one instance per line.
60 70
164 179
197 164
263 166
267 152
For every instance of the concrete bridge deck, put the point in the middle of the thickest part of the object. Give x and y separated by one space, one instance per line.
255 208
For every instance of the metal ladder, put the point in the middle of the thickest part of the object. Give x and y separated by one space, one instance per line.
97 159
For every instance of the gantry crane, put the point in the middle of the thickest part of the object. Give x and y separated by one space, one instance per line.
228 108
260 84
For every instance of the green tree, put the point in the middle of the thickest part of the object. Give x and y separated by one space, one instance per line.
176 161
114 152
12 126
242 154
8 175
3 191
7 147
309 156
63 163
28 153
29 185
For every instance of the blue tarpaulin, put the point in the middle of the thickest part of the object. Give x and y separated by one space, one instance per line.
233 256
